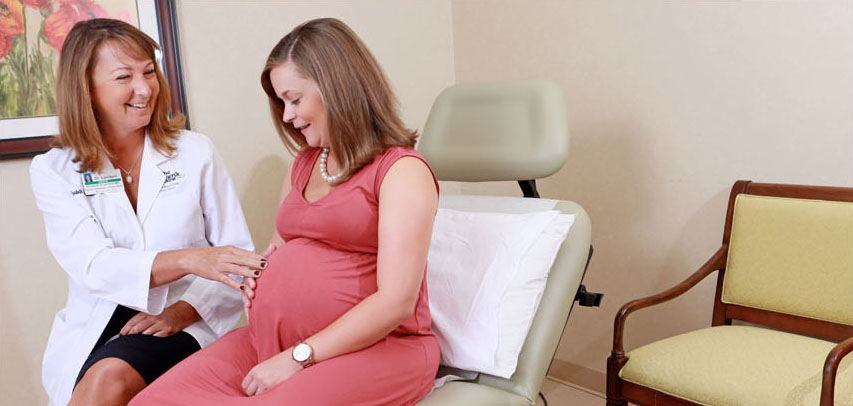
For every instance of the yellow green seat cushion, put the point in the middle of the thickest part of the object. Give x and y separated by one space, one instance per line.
738 366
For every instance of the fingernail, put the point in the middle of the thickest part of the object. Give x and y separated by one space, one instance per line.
263 264
242 287
257 273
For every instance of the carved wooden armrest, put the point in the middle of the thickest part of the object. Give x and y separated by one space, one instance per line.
830 367
717 262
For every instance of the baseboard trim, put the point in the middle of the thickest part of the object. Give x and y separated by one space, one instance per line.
576 375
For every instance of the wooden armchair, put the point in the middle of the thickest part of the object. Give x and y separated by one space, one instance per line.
786 263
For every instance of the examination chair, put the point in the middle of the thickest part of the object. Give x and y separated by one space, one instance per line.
510 131
785 267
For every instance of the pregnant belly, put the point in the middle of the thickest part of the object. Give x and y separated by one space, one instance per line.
306 287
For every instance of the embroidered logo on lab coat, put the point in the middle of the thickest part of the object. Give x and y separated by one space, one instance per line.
173 180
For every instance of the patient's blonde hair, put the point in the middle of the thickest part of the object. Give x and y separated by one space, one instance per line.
363 118
78 123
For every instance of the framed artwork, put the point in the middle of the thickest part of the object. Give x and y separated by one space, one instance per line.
31 35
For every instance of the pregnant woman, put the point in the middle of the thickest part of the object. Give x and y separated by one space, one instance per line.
341 315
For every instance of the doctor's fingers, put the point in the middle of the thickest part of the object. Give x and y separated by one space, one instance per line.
239 256
160 329
125 330
223 278
245 258
247 303
249 286
223 259
220 272
252 282
230 269
248 293
162 333
239 270
139 325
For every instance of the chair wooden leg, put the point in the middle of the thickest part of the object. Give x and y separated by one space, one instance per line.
614 391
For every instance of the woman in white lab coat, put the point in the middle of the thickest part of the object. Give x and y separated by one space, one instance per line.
143 218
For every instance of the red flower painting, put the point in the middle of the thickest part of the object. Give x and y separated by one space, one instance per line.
39 4
59 23
27 62
11 24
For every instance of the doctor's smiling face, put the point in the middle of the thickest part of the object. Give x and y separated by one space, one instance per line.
303 103
124 90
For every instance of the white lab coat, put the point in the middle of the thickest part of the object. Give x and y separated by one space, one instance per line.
187 200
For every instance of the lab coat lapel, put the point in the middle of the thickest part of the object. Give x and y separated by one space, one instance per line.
151 179
118 198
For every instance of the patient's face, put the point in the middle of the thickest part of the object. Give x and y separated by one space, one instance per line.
303 103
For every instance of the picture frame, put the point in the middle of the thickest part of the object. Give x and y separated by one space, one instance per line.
30 136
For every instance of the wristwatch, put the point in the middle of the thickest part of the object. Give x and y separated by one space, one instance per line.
303 354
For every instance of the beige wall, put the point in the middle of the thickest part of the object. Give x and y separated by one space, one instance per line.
669 102
32 288
225 45
223 87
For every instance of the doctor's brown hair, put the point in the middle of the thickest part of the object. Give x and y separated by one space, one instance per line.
78 123
360 105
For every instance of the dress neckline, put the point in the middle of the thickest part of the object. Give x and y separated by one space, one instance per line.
304 184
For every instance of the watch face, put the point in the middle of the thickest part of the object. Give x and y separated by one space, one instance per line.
301 352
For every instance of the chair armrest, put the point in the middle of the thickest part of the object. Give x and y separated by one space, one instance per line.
717 262
830 368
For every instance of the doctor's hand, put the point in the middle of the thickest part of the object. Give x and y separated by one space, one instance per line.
213 263
217 263
248 288
173 319
270 372
250 283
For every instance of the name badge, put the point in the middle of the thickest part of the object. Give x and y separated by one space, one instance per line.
107 182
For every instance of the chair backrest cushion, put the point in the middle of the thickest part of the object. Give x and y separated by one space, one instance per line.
511 130
792 256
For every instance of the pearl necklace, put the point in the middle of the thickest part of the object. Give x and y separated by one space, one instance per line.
324 156
129 177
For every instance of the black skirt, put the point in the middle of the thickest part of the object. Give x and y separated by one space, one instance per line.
150 356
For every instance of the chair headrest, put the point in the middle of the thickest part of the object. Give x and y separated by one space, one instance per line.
512 130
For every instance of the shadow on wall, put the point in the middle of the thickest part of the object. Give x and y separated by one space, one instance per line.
612 194
261 197
694 309
652 228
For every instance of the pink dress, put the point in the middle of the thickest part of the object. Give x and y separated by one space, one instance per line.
327 266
